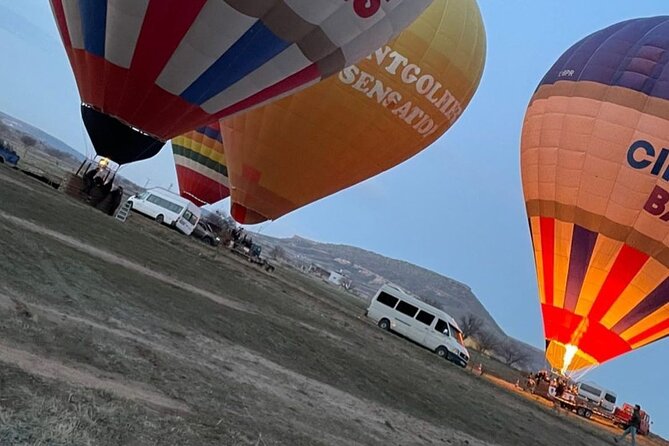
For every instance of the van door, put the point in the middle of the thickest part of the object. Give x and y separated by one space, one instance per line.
186 223
437 335
609 402
422 326
148 206
404 319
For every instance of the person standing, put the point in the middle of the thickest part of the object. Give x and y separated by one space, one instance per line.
632 427
559 391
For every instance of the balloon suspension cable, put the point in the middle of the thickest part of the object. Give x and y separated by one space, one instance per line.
578 375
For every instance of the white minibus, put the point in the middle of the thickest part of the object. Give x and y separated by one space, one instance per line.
606 399
168 208
396 310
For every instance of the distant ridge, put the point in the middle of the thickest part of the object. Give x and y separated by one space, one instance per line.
40 135
369 270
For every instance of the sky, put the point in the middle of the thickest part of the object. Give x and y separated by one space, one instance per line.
465 188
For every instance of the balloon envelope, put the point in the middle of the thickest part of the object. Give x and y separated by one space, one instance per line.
149 70
369 118
199 159
594 168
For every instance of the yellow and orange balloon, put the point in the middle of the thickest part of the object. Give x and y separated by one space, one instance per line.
595 171
369 118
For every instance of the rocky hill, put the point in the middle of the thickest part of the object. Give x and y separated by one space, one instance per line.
369 271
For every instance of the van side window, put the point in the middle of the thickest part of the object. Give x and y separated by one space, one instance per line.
590 389
441 327
158 201
174 207
387 299
407 308
425 317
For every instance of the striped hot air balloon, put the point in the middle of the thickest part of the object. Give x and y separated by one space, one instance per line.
149 70
199 159
596 181
371 117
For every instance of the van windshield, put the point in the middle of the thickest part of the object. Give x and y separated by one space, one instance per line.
457 334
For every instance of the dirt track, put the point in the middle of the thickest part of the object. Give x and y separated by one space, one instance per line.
130 334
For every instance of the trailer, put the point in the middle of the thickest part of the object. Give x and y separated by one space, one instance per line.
575 403
251 252
583 407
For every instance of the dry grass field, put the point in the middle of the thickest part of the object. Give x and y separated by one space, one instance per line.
131 334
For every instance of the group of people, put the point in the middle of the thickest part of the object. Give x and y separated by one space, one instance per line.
98 190
535 379
239 237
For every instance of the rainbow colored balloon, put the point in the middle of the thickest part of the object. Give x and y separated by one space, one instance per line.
199 158
595 167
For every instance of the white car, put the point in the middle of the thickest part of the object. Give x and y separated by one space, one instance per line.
168 208
395 310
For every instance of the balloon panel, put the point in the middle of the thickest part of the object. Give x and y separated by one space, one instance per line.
369 118
595 177
200 163
168 66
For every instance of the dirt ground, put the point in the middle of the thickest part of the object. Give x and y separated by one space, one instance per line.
131 334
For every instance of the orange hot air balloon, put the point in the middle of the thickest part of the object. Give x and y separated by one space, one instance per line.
199 159
369 118
595 175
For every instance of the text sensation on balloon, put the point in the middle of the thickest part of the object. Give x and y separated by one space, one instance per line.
411 74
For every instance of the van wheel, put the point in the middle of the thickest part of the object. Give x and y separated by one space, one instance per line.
384 324
208 241
160 218
442 352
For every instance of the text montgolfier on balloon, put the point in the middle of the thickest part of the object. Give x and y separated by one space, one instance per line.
369 118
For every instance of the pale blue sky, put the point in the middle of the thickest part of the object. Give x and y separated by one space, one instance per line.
457 208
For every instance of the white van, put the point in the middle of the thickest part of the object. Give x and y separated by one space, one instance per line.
396 310
168 208
606 399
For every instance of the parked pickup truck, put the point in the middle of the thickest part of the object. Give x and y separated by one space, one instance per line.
8 156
